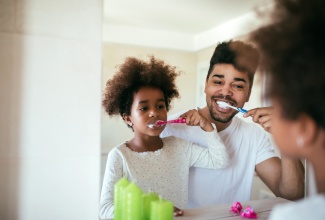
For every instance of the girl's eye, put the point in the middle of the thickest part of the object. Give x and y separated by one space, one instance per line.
143 108
161 106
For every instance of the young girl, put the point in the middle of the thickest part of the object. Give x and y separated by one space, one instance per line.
293 54
141 93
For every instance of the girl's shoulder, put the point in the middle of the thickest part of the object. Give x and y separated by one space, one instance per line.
172 141
117 149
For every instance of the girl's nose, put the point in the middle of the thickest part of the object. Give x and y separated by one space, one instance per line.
153 114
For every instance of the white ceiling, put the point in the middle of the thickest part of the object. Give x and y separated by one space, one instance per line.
176 24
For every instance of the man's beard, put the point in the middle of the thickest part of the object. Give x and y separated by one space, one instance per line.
216 117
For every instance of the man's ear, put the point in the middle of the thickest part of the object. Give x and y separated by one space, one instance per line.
248 95
205 86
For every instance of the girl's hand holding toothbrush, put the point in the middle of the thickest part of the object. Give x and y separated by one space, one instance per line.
261 116
194 118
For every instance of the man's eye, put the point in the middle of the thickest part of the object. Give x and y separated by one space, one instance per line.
239 86
217 82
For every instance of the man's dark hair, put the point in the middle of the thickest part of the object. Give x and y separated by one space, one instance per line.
244 57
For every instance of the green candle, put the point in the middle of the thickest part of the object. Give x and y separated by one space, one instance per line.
118 197
147 198
132 209
162 210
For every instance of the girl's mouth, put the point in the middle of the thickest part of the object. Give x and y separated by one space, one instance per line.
156 124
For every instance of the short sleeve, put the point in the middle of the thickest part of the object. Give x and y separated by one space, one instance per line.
266 148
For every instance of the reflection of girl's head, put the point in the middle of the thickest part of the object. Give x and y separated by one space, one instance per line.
134 74
293 53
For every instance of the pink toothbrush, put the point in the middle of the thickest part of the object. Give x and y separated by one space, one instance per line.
159 123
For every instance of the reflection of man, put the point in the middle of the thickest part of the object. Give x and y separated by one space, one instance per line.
229 79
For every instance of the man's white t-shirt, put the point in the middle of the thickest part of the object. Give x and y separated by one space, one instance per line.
247 145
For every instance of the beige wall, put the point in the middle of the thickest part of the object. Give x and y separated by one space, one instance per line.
50 60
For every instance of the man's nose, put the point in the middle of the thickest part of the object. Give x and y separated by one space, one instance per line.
226 90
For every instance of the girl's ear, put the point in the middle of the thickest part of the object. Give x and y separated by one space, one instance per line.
307 130
127 120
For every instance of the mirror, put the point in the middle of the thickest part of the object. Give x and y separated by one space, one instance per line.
131 33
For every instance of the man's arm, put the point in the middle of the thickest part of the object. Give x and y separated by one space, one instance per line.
285 177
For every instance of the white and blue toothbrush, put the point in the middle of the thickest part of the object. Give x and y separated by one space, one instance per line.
225 105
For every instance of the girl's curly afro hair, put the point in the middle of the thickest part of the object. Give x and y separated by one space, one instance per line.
134 74
292 49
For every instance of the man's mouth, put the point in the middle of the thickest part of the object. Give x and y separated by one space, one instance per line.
224 106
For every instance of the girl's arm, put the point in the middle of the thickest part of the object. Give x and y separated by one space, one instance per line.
216 155
113 173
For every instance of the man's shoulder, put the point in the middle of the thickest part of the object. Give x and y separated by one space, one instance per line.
244 128
176 115
245 124
178 130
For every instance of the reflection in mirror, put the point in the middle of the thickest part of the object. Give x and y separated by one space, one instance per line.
186 41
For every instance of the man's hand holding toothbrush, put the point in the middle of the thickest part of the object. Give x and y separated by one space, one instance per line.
261 116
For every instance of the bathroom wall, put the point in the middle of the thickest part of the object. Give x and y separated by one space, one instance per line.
50 60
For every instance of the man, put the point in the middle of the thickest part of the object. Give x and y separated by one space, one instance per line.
230 78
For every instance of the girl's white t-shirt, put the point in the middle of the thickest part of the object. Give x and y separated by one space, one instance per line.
310 208
164 171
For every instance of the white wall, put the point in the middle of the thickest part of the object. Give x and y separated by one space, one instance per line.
50 89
